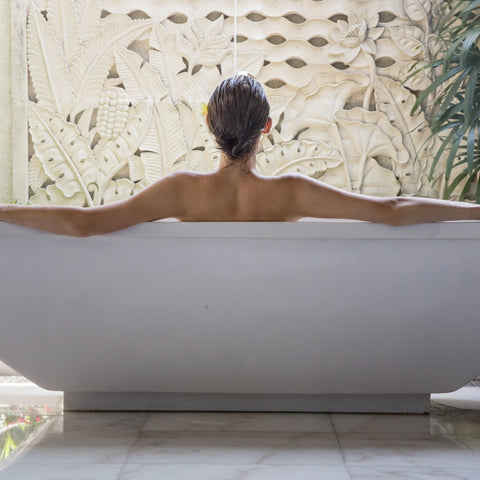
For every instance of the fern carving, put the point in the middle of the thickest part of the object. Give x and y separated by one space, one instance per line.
50 77
62 19
89 12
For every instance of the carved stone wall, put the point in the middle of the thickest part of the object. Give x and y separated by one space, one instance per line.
116 91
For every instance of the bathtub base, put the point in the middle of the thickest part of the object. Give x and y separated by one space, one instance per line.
154 401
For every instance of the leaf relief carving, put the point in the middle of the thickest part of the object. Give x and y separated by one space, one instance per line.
167 61
164 131
303 157
417 9
316 103
64 154
62 19
89 12
36 174
202 43
112 155
409 39
50 77
119 190
91 65
396 102
52 195
202 152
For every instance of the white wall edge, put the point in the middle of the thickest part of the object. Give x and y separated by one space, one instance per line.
19 102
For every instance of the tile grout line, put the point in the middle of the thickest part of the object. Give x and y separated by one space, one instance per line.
330 418
139 433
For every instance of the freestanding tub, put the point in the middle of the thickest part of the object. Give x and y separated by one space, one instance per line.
309 316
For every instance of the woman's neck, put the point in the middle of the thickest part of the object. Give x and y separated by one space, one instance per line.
240 166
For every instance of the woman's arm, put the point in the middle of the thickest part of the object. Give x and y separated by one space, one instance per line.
315 199
162 199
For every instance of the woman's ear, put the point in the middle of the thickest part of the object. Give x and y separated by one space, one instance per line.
268 126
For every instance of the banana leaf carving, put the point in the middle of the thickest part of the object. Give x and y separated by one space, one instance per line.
36 174
118 190
164 132
141 82
91 65
52 195
62 19
50 77
202 152
167 61
65 155
136 168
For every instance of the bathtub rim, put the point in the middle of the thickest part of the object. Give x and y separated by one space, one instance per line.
310 228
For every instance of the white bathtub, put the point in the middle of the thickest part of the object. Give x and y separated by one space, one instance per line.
309 316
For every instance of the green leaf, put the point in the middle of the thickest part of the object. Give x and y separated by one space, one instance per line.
431 89
473 4
471 148
477 195
453 152
451 188
469 41
437 156
466 187
452 89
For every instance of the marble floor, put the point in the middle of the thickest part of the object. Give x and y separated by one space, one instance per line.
40 442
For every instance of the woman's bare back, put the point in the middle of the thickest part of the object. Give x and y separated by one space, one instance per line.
228 195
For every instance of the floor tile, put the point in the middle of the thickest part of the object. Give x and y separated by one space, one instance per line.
405 450
237 448
234 472
267 422
455 422
408 473
383 423
81 447
61 472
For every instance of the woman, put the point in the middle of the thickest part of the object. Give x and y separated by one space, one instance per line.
238 114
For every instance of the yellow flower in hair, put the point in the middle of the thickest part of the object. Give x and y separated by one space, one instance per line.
204 109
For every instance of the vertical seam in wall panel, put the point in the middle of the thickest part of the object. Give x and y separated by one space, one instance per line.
19 95
5 108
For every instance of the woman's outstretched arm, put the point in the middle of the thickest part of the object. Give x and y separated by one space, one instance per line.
315 199
163 199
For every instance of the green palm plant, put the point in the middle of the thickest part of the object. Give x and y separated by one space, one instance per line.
456 92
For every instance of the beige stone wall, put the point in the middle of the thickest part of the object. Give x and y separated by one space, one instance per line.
5 106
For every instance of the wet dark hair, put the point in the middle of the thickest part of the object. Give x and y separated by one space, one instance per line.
237 113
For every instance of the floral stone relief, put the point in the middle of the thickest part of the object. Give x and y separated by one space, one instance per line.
116 92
